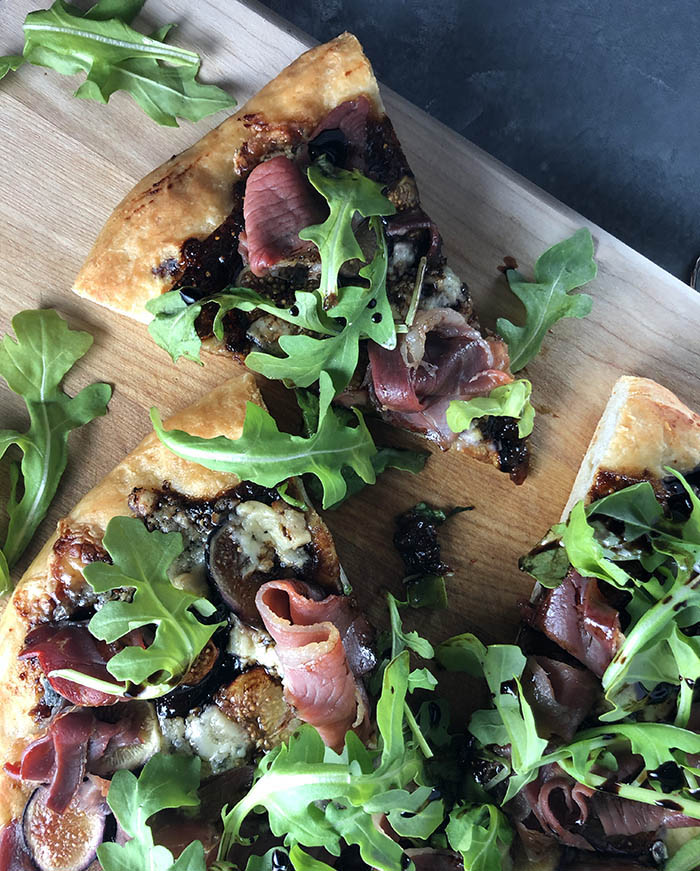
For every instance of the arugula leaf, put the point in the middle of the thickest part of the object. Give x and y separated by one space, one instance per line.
173 324
267 456
686 858
114 56
346 192
357 313
511 722
10 62
656 651
562 268
34 366
365 314
140 561
508 400
401 640
385 458
166 781
315 797
482 835
665 594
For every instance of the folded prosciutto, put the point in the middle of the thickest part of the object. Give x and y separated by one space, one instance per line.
317 645
440 358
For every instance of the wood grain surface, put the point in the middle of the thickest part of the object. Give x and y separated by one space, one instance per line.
66 163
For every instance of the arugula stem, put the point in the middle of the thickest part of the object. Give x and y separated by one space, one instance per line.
646 627
685 701
415 730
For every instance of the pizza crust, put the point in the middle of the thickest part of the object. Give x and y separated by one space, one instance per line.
220 412
190 195
643 429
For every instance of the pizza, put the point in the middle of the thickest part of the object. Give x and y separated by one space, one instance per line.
608 638
228 212
277 644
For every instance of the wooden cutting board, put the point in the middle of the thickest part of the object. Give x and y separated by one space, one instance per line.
66 163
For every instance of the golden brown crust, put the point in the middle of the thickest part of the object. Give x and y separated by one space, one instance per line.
191 194
220 412
643 429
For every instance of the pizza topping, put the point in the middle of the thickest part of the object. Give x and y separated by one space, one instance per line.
255 700
317 676
439 356
70 646
561 696
65 840
220 742
578 618
77 742
439 359
416 223
342 134
279 202
14 855
255 542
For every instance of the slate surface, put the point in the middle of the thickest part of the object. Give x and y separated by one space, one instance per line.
596 102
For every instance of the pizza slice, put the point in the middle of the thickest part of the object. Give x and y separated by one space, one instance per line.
174 611
606 669
293 235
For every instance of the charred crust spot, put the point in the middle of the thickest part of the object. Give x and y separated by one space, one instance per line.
167 268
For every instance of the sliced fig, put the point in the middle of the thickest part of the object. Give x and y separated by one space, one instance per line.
255 700
230 572
67 841
132 753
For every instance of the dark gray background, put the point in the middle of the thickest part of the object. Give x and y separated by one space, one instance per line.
597 102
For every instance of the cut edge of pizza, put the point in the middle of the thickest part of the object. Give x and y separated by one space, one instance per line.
175 610
228 211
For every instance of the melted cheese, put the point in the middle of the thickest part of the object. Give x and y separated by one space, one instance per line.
284 529
448 291
209 734
252 647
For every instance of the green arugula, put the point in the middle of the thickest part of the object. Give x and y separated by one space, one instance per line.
173 324
562 268
508 400
482 835
360 313
510 721
652 558
385 458
166 781
34 366
315 797
686 858
140 562
347 192
160 77
267 456
356 312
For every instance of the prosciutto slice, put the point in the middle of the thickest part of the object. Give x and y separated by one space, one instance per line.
318 679
70 645
439 359
61 758
561 696
578 618
279 202
350 118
